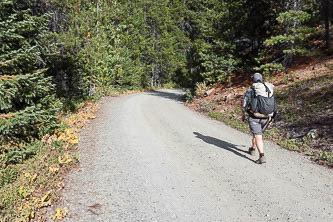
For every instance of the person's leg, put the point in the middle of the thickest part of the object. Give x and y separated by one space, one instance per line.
252 149
260 146
254 143
255 128
259 143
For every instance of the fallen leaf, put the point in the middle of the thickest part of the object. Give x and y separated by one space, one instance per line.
45 196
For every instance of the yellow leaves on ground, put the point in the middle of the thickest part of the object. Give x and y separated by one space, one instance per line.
4 63
53 170
80 119
31 177
40 185
65 158
32 214
28 208
30 195
27 211
60 214
76 122
45 200
69 136
45 196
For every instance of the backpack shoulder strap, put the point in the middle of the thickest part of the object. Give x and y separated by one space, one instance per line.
267 90
254 90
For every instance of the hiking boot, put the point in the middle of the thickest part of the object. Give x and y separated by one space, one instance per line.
252 151
261 160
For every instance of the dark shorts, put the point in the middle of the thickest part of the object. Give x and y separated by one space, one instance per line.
257 125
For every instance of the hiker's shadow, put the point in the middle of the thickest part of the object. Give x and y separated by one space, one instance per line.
223 145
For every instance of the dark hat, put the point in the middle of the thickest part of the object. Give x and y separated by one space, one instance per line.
257 77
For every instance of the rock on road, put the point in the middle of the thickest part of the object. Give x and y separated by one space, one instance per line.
146 157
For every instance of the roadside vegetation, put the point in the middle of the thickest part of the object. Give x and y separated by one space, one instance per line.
32 172
57 56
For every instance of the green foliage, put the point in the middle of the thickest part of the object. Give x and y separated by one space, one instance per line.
28 104
323 157
113 50
19 33
216 115
189 95
130 45
270 68
291 41
291 144
211 40
217 68
15 155
103 44
156 43
8 175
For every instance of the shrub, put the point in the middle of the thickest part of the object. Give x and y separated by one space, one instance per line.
200 89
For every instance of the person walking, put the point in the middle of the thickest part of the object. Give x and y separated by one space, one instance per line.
259 104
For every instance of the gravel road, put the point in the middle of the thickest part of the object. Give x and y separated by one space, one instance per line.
146 157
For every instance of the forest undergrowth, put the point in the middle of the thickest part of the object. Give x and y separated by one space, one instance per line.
35 183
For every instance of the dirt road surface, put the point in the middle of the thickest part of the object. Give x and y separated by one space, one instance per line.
146 157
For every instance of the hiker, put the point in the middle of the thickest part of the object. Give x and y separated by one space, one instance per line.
260 106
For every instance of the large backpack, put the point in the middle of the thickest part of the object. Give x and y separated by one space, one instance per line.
263 103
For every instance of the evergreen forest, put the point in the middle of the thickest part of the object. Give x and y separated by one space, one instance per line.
56 52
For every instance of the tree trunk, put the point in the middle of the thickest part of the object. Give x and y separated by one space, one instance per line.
326 9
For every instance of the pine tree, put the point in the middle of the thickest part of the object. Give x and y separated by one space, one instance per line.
291 38
155 41
212 29
28 105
